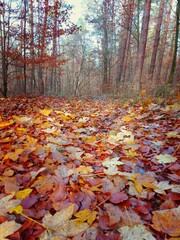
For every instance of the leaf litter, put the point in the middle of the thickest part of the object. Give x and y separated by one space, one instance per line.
82 169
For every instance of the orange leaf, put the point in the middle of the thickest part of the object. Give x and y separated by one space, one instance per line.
127 118
6 124
167 221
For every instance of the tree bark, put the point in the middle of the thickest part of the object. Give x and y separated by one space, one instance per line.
164 44
156 40
142 47
173 66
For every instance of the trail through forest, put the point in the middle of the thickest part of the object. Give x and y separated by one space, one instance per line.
89 169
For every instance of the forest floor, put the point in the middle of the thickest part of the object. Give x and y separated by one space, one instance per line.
88 169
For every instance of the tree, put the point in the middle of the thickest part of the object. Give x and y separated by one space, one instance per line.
163 43
156 40
9 51
173 66
125 36
142 46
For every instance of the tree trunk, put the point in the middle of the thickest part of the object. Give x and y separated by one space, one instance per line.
105 48
173 66
164 44
125 38
156 40
33 80
142 47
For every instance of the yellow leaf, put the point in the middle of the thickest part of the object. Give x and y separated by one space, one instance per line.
138 187
95 188
46 112
18 209
131 153
13 155
127 118
31 140
92 217
84 170
5 140
6 124
21 130
83 215
89 139
23 193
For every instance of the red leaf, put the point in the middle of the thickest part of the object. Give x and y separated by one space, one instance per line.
118 197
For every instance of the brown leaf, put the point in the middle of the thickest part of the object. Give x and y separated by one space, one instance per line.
167 221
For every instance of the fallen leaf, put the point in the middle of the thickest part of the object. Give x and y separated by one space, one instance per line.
46 112
138 232
23 193
165 158
59 218
127 118
8 228
167 221
6 124
18 209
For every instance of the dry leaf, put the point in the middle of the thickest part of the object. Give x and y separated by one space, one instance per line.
8 228
165 158
167 221
138 232
59 218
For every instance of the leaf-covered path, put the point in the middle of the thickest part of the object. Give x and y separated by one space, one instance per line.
90 170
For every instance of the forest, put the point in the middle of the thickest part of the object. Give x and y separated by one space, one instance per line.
89 120
115 47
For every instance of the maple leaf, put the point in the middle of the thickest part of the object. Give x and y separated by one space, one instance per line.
162 186
6 124
23 193
46 112
6 204
13 155
73 228
165 158
167 221
31 140
111 171
18 209
112 162
58 219
8 228
138 232
86 215
83 169
127 118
